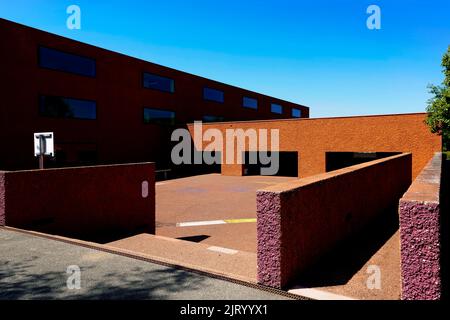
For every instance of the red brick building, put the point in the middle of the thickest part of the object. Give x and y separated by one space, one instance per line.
105 107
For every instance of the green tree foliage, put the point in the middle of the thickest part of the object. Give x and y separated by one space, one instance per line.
438 108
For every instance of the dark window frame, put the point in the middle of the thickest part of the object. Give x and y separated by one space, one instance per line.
156 89
277 104
296 109
65 97
251 108
69 53
212 100
155 123
211 115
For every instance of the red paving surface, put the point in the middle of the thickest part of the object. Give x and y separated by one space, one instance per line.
211 197
216 197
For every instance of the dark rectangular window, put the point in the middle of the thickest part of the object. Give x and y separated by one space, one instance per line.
67 62
213 118
153 81
276 108
158 116
58 107
296 113
213 94
250 103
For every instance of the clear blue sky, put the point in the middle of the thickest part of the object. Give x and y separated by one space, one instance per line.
318 53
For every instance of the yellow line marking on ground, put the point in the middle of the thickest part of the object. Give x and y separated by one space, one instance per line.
240 220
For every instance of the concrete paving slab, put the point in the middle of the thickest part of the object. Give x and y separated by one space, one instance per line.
234 236
239 265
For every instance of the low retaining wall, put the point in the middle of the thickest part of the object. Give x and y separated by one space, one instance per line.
83 202
2 198
420 233
299 221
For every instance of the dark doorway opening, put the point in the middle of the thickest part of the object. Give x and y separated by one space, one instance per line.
339 160
193 169
287 165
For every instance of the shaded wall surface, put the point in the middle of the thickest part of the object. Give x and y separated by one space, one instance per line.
420 234
119 134
300 221
312 138
83 202
2 198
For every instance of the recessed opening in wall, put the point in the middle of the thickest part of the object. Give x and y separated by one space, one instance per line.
339 160
287 163
200 162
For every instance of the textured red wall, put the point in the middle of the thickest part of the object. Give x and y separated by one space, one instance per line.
84 202
420 235
119 134
2 198
311 138
299 221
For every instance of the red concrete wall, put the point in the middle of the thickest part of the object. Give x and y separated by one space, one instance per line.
311 138
120 98
84 202
420 235
2 198
299 221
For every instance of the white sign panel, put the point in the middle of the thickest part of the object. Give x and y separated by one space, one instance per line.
44 144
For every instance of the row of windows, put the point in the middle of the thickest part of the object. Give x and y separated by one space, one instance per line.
62 61
247 102
67 62
60 107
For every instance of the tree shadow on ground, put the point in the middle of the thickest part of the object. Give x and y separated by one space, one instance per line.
342 262
23 280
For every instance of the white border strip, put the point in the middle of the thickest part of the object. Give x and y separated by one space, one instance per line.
200 223
223 250
318 294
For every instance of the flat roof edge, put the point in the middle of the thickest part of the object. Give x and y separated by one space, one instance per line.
323 118
141 60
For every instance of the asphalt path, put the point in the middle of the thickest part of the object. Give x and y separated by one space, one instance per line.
32 267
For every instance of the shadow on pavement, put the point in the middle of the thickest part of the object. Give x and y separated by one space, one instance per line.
344 261
19 281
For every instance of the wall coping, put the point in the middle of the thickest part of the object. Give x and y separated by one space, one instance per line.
426 187
311 119
295 184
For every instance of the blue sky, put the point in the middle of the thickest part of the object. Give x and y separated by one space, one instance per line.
318 53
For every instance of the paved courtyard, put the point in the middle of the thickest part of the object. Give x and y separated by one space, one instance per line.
193 208
205 223
217 216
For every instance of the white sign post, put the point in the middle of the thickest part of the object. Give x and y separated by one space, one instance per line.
43 146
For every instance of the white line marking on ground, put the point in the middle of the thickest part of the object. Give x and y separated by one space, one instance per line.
200 223
223 250
318 294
